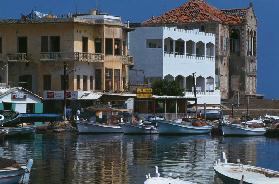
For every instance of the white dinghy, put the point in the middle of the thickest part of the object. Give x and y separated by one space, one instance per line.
246 174
241 130
160 180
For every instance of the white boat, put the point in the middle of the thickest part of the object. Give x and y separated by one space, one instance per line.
129 128
241 130
160 180
12 175
246 174
93 127
18 131
171 127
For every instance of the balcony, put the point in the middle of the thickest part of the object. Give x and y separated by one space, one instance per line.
252 73
71 56
128 60
19 57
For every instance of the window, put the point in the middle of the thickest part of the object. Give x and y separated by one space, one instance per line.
30 108
202 28
47 82
117 47
22 44
84 83
78 82
66 82
108 79
84 44
98 45
44 43
54 43
91 83
117 79
0 44
109 46
153 43
98 79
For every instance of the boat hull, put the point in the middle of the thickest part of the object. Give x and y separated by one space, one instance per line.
137 129
18 131
11 176
165 127
231 130
85 127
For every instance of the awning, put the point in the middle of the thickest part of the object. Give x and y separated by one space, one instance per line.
90 96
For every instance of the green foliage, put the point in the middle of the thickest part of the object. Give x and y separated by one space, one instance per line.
166 87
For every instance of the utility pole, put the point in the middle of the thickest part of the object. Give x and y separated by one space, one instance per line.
64 88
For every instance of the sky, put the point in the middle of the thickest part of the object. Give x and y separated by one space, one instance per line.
266 11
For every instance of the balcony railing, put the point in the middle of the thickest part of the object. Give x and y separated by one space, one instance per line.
71 56
19 57
128 60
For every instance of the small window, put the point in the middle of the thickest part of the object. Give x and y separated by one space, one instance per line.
47 82
1 45
91 82
109 50
44 43
54 43
84 44
22 44
98 79
84 83
153 43
78 82
203 28
117 47
98 45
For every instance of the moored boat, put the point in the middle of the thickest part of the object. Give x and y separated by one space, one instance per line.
15 174
172 127
129 128
161 180
246 174
93 127
242 130
18 131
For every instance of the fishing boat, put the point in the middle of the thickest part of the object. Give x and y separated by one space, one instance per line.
161 180
229 129
129 128
15 173
246 174
172 127
100 120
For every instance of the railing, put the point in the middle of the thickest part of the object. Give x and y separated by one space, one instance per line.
71 56
19 57
128 60
188 56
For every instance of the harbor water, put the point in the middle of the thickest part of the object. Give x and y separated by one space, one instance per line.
120 159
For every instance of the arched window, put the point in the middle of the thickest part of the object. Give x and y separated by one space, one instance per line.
180 81
190 48
209 84
189 83
200 84
235 41
169 77
168 46
200 49
210 50
179 47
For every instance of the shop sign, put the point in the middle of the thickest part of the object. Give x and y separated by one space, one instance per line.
144 93
59 95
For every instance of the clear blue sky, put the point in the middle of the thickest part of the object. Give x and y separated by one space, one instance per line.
139 10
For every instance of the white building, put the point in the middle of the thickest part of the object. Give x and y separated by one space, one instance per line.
176 54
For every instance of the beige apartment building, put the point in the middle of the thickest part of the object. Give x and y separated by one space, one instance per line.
93 47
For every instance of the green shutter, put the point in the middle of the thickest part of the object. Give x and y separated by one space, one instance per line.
1 106
39 108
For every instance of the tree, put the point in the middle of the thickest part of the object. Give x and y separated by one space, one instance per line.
166 87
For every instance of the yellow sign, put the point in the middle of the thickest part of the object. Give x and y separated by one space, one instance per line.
144 95
144 90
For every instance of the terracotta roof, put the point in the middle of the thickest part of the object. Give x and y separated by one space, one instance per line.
241 13
195 11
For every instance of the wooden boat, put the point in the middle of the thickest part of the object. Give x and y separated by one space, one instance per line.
15 174
160 180
246 174
172 127
241 130
129 128
18 131
93 127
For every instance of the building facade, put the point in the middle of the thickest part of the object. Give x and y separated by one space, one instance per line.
177 54
235 45
90 48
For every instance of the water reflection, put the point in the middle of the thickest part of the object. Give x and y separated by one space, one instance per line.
68 158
